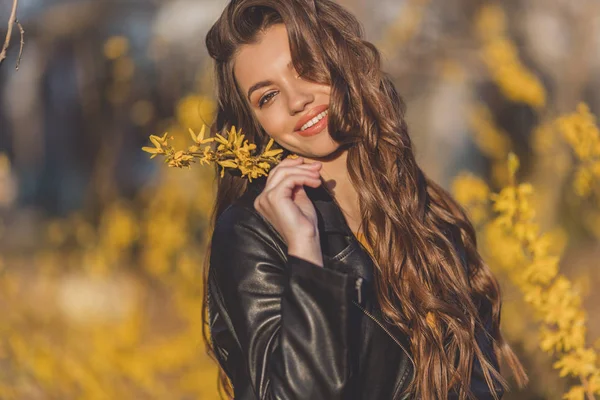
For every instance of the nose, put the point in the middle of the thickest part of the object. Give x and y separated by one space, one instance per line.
299 96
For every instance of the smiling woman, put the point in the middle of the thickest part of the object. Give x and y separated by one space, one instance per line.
287 107
346 273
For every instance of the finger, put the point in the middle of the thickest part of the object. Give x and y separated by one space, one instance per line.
276 180
280 172
286 170
284 164
296 190
311 166
284 189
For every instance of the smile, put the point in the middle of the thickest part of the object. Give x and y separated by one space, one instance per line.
315 125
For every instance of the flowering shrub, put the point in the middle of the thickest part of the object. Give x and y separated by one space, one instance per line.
530 258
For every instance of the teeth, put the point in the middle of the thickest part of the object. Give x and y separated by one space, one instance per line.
314 120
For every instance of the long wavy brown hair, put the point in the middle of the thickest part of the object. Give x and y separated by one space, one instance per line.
430 280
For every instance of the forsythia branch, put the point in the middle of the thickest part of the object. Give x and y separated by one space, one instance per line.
501 56
232 152
582 134
529 258
551 294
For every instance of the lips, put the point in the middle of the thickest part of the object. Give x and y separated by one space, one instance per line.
310 115
315 129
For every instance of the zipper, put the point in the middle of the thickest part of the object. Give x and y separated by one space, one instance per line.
358 289
393 338
388 332
359 281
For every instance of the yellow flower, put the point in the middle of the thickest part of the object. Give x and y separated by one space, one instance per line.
159 143
581 132
473 194
199 139
541 270
490 21
233 152
576 393
181 159
578 363
531 260
501 56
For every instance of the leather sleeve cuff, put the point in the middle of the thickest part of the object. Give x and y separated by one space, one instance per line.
330 281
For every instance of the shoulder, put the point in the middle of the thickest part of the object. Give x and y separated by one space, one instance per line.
241 223
241 211
243 245
245 203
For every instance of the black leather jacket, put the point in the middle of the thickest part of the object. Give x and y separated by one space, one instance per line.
284 328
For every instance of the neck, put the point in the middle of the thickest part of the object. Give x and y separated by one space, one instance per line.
334 170
337 182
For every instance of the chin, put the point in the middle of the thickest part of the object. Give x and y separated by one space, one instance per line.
320 148
319 152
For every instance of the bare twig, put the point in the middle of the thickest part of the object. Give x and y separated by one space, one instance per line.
11 21
22 43
589 395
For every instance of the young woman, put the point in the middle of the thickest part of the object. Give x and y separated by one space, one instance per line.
346 273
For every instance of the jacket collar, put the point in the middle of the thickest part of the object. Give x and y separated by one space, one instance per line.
331 219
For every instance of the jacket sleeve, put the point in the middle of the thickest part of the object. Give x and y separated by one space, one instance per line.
290 316
479 386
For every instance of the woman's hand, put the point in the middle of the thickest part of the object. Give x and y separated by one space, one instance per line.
284 203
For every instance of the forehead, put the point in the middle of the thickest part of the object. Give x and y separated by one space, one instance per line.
256 61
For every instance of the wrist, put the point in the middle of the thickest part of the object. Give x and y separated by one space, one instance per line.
307 249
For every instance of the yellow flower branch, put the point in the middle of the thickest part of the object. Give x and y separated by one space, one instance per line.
582 134
531 262
232 152
501 56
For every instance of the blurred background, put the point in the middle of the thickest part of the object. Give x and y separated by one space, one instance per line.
101 248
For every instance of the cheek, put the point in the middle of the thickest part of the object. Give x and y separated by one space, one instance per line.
274 122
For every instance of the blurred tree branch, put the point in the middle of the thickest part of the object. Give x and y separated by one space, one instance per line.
11 21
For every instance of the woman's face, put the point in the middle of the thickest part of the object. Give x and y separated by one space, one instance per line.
281 101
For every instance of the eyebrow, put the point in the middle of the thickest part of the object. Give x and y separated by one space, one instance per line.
257 86
264 83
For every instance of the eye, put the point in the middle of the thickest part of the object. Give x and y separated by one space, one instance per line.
265 99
